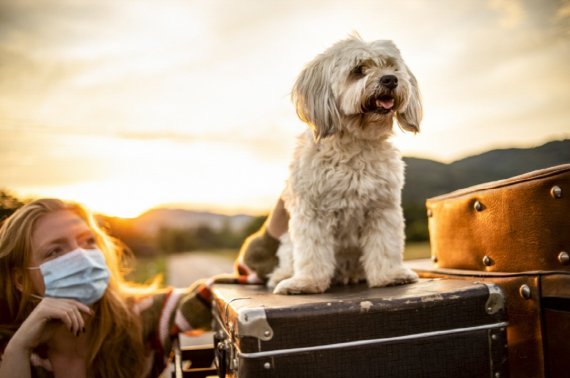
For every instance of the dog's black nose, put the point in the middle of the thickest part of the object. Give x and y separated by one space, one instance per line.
389 81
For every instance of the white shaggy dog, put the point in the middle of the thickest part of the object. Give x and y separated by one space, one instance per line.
344 189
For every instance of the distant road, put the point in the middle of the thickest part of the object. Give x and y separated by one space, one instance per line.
186 268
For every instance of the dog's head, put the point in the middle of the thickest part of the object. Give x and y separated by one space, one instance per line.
358 87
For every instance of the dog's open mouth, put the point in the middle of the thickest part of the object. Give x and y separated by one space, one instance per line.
381 104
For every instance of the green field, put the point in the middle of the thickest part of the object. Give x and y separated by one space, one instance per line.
146 268
417 251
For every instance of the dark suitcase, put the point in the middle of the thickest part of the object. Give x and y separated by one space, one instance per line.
434 328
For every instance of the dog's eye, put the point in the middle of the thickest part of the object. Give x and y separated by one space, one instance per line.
358 70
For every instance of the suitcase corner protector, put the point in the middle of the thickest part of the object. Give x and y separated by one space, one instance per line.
252 322
496 300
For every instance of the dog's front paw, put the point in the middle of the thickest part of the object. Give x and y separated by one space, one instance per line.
399 276
404 276
298 285
278 276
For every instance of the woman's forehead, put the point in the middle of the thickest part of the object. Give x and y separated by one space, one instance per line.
56 225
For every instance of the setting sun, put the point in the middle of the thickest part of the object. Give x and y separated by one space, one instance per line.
163 173
104 197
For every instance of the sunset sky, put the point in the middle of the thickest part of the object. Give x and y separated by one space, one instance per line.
127 105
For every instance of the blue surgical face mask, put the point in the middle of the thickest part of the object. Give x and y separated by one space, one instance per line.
80 274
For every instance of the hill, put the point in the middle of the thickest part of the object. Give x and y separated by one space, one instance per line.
428 178
424 179
153 220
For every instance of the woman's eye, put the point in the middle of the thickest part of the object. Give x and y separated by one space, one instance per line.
54 252
91 242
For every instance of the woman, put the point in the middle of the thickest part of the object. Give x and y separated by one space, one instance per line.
66 309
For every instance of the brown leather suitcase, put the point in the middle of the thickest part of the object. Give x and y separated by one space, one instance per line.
433 328
515 233
514 225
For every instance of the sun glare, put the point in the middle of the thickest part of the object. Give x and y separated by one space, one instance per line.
115 206
142 174
100 197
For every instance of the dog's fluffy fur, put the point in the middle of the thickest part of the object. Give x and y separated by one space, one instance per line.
344 189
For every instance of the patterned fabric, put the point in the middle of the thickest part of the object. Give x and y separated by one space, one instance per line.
171 312
164 315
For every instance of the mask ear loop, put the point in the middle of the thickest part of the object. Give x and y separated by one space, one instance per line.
35 296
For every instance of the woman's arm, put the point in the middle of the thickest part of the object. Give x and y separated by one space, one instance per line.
258 254
37 329
278 220
15 361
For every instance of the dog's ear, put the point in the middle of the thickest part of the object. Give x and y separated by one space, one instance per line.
411 117
314 99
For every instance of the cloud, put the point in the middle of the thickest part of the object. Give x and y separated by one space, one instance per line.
513 12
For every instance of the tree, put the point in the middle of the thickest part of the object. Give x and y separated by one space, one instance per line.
123 229
416 223
253 225
8 204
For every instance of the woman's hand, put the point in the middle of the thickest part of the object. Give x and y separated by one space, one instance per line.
46 318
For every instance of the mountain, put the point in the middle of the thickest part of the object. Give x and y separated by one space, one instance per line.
424 179
428 178
153 220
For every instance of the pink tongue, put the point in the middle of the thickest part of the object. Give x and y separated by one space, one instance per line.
386 104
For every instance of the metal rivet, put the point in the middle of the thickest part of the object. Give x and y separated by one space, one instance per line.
478 206
487 261
563 258
267 333
489 310
556 191
494 337
497 375
525 292
267 365
429 213
434 259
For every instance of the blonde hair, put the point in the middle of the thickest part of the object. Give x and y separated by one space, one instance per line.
117 348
